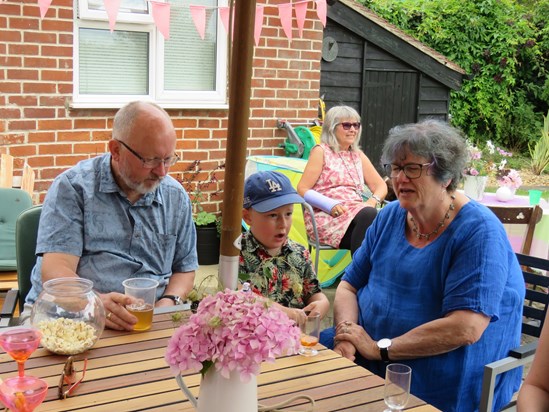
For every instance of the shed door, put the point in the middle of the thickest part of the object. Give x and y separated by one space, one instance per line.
389 98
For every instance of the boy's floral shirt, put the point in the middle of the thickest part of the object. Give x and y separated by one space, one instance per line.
288 279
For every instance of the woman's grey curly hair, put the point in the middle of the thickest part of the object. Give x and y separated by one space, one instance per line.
441 144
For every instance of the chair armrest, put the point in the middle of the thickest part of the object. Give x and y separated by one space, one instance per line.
524 351
10 302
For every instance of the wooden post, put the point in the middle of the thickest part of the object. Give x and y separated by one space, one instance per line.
237 136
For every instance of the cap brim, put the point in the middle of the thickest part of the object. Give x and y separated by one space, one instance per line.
276 202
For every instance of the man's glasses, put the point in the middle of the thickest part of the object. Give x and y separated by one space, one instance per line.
411 170
348 125
151 163
69 381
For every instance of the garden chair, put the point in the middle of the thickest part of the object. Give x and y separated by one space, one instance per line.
12 203
313 241
534 311
26 232
525 215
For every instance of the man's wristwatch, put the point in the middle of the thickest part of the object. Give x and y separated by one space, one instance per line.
176 299
384 345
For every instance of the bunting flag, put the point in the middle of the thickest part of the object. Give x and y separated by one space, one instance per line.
224 17
259 10
44 6
161 17
300 13
198 14
321 11
112 7
285 15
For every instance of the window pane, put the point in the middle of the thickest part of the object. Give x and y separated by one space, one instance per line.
189 61
126 6
113 63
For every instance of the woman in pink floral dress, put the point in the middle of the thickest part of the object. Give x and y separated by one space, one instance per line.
335 180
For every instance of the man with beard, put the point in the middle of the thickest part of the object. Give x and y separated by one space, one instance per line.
119 216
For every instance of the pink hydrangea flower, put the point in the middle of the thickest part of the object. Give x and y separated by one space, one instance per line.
232 331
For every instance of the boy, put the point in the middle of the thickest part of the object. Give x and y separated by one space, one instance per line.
274 265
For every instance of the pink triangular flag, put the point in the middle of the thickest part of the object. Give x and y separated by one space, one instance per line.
112 7
44 6
198 14
321 11
300 12
224 17
285 14
258 22
161 17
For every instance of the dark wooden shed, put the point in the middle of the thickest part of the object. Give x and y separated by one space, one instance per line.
387 75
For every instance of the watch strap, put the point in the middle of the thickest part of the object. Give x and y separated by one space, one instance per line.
176 299
384 352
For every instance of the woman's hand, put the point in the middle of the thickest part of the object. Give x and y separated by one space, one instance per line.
355 335
115 308
345 349
338 210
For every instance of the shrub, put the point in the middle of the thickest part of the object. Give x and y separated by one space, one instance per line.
539 152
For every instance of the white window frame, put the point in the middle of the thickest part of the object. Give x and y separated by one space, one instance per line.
192 99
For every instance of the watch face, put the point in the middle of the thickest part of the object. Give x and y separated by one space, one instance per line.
384 343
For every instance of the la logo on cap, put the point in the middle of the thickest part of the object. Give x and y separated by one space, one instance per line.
273 186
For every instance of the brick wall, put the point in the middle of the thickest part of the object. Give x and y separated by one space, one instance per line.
38 126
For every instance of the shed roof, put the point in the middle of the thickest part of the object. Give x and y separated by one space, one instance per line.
365 23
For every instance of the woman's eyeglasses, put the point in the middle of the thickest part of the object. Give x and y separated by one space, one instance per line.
348 125
69 378
411 170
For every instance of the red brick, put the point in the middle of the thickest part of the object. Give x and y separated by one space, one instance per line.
39 37
10 113
41 137
90 123
20 23
57 25
58 51
52 101
23 151
73 136
54 149
24 125
94 148
69 160
39 88
39 112
102 135
41 161
56 75
7 139
54 125
21 74
23 49
22 100
51 173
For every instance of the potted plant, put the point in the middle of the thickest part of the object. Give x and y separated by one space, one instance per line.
197 182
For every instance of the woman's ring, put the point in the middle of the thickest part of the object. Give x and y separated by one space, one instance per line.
345 330
347 323
336 213
109 315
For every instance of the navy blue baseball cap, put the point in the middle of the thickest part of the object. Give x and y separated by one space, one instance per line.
266 191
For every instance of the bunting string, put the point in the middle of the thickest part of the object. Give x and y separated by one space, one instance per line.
161 12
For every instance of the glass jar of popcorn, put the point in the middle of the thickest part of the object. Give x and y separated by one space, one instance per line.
69 314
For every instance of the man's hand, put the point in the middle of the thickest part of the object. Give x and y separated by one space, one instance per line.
115 307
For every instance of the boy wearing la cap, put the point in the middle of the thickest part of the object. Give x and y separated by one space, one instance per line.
274 265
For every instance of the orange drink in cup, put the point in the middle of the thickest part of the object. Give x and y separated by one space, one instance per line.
310 334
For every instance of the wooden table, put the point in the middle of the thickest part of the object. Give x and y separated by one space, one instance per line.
127 372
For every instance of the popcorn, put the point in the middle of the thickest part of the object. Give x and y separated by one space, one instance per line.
66 336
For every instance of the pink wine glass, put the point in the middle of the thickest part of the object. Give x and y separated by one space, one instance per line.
20 343
23 394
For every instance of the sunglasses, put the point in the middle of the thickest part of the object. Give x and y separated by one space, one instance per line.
348 125
69 377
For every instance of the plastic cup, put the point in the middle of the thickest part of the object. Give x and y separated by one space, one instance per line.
535 196
143 290
310 334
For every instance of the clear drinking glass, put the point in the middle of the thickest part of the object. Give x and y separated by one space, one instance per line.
310 333
397 386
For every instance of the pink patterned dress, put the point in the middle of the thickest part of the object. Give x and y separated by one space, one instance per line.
342 179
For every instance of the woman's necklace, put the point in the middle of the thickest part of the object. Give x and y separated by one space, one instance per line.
357 185
426 236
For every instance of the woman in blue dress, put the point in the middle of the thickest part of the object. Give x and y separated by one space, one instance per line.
435 284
